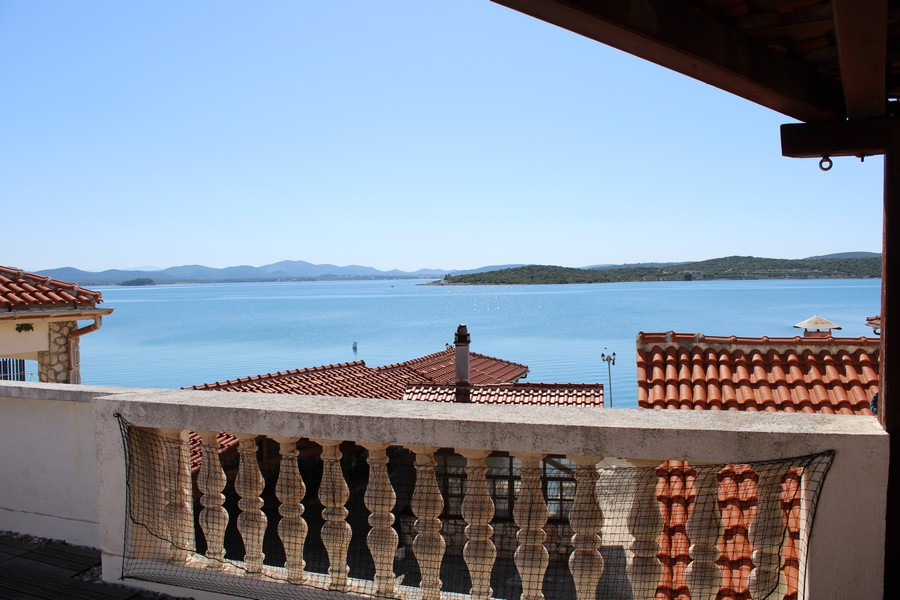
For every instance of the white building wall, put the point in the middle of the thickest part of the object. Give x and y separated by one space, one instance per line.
23 344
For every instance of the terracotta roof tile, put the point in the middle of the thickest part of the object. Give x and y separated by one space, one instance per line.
357 380
675 495
790 506
737 499
352 379
20 290
440 367
543 394
799 374
827 375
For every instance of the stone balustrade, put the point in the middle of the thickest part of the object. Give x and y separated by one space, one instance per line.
303 470
613 540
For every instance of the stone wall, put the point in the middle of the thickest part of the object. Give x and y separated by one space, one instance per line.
53 365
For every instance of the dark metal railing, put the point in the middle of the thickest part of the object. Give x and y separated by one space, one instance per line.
12 369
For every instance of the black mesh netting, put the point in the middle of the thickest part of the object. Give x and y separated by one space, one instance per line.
384 521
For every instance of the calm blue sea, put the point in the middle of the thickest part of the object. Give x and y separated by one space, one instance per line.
180 335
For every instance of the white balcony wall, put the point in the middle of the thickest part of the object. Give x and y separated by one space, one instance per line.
50 485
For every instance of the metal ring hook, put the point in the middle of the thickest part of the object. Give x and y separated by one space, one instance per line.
825 164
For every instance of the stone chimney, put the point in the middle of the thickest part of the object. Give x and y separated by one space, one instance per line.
461 340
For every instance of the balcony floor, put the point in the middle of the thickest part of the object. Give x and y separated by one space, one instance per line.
32 569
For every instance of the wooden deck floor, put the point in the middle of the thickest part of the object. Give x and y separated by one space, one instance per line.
54 571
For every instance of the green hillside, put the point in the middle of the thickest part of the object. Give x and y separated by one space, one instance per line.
731 267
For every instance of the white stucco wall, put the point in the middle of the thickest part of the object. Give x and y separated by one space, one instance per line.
23 344
49 462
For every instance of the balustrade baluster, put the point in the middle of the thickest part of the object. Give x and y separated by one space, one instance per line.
213 516
478 510
382 538
645 525
251 523
428 504
290 490
586 519
704 530
334 494
177 494
530 514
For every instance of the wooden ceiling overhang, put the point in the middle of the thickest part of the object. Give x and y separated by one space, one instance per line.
812 60
834 65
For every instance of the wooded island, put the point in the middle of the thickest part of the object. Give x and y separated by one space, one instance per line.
731 267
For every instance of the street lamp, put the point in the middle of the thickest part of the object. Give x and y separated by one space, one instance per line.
610 360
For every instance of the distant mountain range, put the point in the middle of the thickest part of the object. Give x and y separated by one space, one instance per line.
298 270
286 270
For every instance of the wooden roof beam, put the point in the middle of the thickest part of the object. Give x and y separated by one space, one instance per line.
860 28
860 137
673 35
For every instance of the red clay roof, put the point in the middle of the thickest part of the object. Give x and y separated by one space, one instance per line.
542 394
675 495
357 380
692 371
440 367
737 501
20 290
352 379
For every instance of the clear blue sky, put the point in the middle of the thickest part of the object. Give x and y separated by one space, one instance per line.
398 134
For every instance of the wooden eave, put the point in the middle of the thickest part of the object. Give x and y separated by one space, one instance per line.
738 54
861 33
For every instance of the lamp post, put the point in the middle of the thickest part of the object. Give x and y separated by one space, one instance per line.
610 360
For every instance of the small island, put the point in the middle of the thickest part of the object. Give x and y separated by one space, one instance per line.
731 267
138 282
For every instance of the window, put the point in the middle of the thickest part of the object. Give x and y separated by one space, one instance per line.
559 486
451 475
504 483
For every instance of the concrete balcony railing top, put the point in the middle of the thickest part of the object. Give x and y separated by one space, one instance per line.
702 436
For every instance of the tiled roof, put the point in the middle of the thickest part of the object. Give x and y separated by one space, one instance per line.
737 507
543 394
800 374
692 371
675 495
440 367
356 380
20 290
352 379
